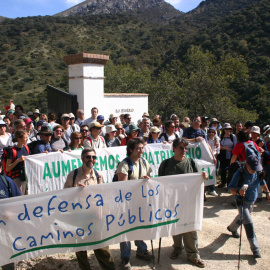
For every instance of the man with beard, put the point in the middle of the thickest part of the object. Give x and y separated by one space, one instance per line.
83 176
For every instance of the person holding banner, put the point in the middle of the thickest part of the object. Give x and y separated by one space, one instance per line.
180 164
83 176
131 168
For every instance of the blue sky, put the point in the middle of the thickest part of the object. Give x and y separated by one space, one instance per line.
24 8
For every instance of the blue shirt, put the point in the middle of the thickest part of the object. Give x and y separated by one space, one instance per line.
4 193
253 182
41 147
191 133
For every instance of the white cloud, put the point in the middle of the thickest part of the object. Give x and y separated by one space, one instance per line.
73 2
174 2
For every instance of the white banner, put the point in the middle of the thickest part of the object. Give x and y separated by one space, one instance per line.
96 216
48 172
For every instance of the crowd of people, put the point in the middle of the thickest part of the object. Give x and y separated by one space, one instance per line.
23 134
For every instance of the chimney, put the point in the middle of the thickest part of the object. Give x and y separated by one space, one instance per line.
86 80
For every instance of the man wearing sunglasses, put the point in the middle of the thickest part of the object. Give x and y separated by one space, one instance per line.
84 131
43 145
84 176
94 140
180 164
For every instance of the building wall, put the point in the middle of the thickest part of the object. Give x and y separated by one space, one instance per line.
135 105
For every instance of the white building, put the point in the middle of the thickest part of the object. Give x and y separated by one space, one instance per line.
86 81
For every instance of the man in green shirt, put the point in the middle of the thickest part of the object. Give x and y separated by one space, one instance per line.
180 164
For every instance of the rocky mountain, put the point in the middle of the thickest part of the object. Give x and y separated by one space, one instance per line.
157 11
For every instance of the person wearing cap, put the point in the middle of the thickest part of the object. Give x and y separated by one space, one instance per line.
80 117
36 115
100 119
32 133
5 137
43 145
94 140
227 143
110 137
74 126
66 126
145 127
133 132
112 120
245 199
93 118
215 123
153 135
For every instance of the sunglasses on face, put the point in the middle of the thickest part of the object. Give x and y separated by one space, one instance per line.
119 128
84 130
91 157
65 119
78 138
72 118
211 132
196 120
58 131
155 132
227 129
182 148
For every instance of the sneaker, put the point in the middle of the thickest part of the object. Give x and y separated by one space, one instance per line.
257 254
234 234
126 264
145 256
175 253
199 262
213 193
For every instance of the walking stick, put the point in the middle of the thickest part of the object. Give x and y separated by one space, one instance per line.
154 266
159 247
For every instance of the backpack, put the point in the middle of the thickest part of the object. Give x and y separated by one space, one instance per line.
251 150
76 172
166 136
32 145
91 142
130 168
6 183
12 173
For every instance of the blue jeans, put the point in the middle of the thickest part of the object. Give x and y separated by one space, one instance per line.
247 222
125 248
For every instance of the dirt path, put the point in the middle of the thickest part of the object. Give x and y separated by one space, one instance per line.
217 247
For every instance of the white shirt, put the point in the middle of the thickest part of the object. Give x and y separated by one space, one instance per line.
90 142
88 121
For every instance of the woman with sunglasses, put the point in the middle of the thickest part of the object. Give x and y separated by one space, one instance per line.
227 143
58 142
5 138
110 137
76 141
120 131
214 143
153 135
